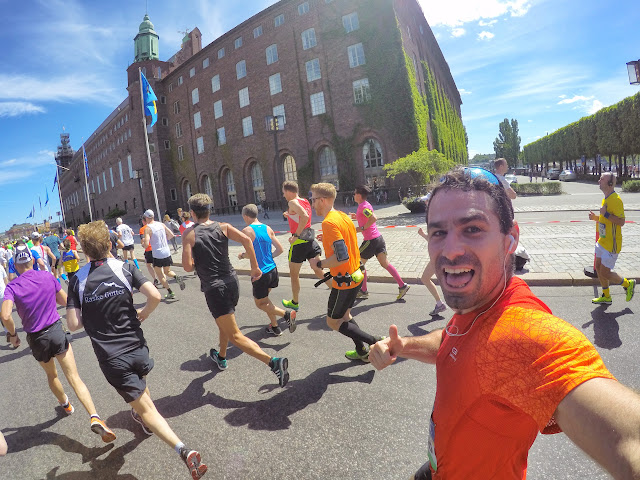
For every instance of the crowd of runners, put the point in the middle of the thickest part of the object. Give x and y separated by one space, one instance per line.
99 298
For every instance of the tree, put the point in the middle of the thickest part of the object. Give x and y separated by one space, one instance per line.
507 143
421 165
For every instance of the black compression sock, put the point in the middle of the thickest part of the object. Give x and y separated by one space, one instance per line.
351 330
169 290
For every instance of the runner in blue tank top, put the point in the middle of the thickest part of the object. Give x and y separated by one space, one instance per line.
264 240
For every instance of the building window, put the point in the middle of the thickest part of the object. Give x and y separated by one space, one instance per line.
171 87
197 120
257 31
222 136
111 175
241 69
165 123
167 144
187 189
372 154
313 70
247 126
328 165
278 110
231 188
356 55
120 168
205 63
257 182
317 104
104 177
243 97
130 168
290 170
237 43
174 194
200 144
180 153
192 72
195 96
176 107
351 22
272 54
361 93
309 39
206 186
279 20
178 130
221 53
275 84
217 109
163 100
180 81
215 83
303 8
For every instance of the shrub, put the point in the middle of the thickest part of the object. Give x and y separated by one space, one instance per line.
414 204
542 188
631 186
115 213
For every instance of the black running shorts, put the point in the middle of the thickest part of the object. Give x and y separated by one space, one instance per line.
301 251
264 283
57 262
162 262
222 300
340 301
371 248
148 256
49 342
127 372
128 247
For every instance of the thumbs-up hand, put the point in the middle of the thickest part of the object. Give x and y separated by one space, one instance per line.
384 353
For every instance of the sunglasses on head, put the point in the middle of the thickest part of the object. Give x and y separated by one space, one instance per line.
477 172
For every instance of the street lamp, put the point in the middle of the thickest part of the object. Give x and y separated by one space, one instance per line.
274 123
138 174
634 72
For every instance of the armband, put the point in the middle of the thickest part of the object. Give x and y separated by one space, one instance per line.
606 215
367 213
341 251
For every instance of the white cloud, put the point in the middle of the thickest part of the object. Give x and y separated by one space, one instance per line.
574 99
529 121
464 92
486 35
482 23
458 32
15 109
595 106
455 13
562 96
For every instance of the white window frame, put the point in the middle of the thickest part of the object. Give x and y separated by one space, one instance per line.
195 96
176 107
215 83
351 22
111 175
180 153
217 109
361 91
247 126
271 53
221 136
205 63
275 83
200 144
257 31
313 70
220 53
279 110
197 120
192 72
180 80
309 38
355 52
278 20
303 8
178 130
241 69
237 43
120 168
129 165
243 97
317 103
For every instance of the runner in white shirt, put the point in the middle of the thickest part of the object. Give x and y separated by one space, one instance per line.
45 252
126 235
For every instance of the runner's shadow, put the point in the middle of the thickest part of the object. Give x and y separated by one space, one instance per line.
358 309
416 328
606 330
274 413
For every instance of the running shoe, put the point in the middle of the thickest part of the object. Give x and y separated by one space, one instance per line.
279 367
354 355
630 289
193 462
138 419
402 291
215 357
290 318
602 300
362 295
271 330
438 309
180 281
290 304
99 427
68 408
170 296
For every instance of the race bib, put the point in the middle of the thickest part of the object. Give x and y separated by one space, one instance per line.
602 230
432 447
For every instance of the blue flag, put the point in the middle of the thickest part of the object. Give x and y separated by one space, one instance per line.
149 99
55 181
47 201
86 162
32 213
40 201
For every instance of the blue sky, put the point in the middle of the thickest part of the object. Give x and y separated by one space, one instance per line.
546 63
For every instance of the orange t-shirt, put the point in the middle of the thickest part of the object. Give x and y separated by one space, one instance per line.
501 383
338 226
148 249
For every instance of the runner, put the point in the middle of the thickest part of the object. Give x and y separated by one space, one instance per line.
506 368
186 222
205 248
125 234
373 244
4 279
340 243
263 240
174 227
501 167
44 252
609 224
70 260
303 245
148 254
35 294
53 242
427 275
156 235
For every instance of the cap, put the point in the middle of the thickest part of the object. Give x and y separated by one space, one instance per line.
22 254
35 235
149 213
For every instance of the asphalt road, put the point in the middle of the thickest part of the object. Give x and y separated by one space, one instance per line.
335 419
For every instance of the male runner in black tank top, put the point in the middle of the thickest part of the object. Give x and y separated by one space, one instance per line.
205 249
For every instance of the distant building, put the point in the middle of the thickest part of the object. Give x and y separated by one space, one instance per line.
340 76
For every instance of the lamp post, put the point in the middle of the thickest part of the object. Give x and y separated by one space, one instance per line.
633 68
138 174
92 198
274 123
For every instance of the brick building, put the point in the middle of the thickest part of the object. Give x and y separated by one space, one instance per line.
320 67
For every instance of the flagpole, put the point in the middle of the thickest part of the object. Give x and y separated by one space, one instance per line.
64 219
46 191
146 142
86 180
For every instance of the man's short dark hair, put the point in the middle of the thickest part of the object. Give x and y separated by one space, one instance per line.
290 186
200 204
363 191
458 179
250 210
500 161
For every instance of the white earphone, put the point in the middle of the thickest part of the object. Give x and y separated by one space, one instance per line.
512 244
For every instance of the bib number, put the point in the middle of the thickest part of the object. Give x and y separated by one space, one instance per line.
432 448
602 230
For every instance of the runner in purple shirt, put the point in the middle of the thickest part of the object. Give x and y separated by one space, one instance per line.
35 294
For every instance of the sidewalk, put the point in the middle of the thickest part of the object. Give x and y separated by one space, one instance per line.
559 251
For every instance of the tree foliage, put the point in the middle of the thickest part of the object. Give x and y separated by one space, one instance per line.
507 143
421 165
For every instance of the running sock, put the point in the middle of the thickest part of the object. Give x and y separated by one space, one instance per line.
64 276
126 261
169 290
136 263
605 292
179 446
58 279
363 288
350 329
66 403
95 415
625 283
394 273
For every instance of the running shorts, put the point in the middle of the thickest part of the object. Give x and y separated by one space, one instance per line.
341 300
162 262
301 251
148 256
128 247
264 283
371 248
49 342
222 299
126 372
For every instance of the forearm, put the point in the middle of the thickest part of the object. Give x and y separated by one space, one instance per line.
9 324
424 348
150 306
332 261
249 251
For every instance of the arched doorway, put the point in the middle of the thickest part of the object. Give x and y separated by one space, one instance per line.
289 168
373 162
257 182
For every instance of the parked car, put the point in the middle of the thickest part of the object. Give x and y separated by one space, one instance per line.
511 178
567 176
553 174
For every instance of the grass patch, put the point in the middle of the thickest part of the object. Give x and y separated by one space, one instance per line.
631 186
542 188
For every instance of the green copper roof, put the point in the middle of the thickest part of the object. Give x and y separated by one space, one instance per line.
146 25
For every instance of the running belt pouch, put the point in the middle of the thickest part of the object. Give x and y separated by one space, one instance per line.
307 234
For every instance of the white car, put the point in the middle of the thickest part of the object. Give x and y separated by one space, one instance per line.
567 175
511 178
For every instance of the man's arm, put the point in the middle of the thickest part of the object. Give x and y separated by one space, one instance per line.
424 348
304 218
602 417
153 299
7 321
248 231
275 242
61 298
74 319
147 237
237 236
188 240
48 251
168 231
371 219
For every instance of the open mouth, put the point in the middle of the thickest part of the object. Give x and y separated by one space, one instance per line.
458 277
